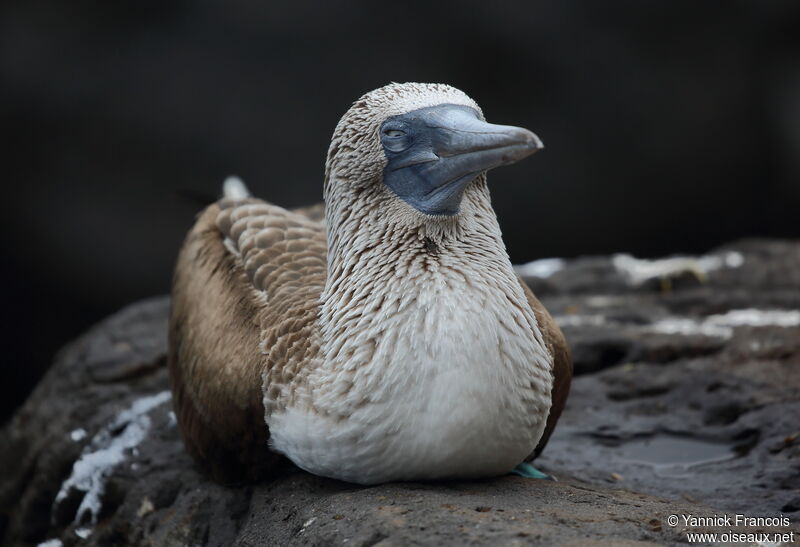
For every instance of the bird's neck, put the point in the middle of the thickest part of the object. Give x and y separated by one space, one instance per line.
365 240
390 264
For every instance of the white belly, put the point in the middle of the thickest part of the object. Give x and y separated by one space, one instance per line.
451 389
381 444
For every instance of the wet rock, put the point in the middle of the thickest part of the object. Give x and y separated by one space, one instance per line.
686 400
715 362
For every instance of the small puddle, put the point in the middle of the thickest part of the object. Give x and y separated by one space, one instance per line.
673 455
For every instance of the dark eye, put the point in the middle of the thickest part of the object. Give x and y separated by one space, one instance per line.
393 133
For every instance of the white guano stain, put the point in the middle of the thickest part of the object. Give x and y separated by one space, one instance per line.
106 450
758 318
77 435
685 326
542 268
582 320
723 325
55 542
640 270
718 325
306 524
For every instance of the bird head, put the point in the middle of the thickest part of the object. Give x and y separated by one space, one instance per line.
421 143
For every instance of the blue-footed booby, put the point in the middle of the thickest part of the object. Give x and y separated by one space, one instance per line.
391 340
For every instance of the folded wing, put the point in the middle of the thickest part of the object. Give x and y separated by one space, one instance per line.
244 300
562 365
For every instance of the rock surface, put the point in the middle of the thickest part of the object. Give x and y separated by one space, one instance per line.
687 401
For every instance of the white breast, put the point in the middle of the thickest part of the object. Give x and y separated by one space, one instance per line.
440 374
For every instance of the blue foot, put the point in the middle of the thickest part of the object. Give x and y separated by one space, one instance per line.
530 472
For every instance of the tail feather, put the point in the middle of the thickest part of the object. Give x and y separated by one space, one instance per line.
234 188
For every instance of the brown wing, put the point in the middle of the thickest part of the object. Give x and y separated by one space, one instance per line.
226 297
562 365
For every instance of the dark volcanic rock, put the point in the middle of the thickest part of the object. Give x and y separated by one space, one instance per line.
687 401
700 362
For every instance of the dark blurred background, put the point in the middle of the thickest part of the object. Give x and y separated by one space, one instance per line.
671 126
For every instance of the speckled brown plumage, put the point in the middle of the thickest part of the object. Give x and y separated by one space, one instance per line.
218 318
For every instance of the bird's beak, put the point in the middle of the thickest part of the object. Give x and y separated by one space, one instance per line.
450 146
466 144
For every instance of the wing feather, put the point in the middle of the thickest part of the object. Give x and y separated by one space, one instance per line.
562 365
244 298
